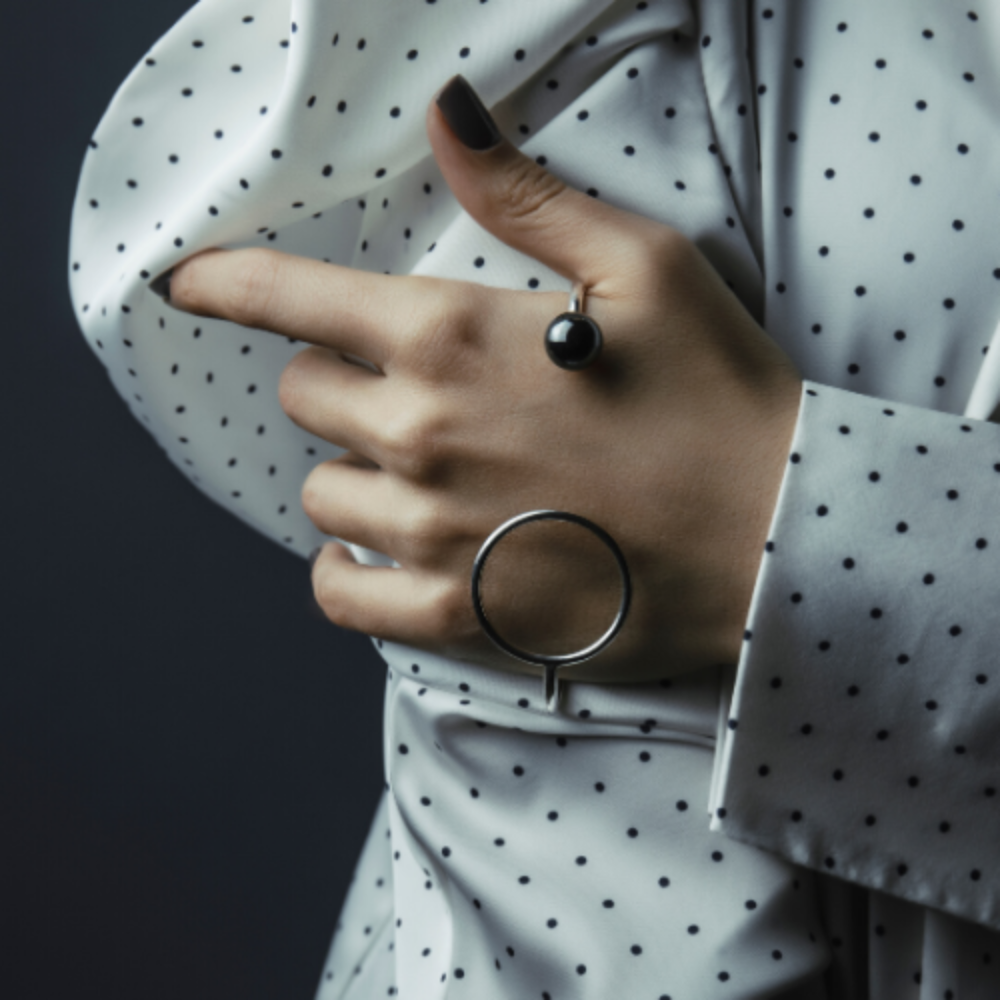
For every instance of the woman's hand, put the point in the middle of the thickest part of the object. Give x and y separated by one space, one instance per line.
674 441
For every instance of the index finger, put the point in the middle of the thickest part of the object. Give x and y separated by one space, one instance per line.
348 310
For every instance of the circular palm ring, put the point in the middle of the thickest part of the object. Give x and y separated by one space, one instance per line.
551 663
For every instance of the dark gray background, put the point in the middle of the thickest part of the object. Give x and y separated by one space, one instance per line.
189 752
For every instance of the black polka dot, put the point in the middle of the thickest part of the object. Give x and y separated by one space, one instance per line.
846 505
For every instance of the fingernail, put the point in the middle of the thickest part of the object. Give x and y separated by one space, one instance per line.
314 555
467 115
161 285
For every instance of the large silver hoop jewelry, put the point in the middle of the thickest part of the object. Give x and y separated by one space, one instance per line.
573 339
551 664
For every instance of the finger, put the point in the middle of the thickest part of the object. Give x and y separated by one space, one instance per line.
381 512
353 311
368 414
332 398
520 202
390 603
357 460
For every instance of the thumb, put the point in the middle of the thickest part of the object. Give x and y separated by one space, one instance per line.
522 203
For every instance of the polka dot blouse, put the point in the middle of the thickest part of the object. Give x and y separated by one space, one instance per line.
821 820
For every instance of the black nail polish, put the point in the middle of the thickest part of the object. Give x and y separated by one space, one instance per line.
161 285
467 115
314 555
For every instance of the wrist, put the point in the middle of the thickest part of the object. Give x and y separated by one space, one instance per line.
760 488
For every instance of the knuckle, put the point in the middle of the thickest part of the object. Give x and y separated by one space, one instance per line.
401 437
423 532
290 382
253 291
432 325
288 388
331 599
444 330
414 445
526 188
313 496
449 614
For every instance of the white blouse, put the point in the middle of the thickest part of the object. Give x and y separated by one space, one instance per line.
820 821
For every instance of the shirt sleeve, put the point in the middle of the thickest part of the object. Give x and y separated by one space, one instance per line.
861 739
301 127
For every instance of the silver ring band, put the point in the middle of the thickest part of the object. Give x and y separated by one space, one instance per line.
550 663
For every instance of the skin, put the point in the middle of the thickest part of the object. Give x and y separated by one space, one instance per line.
675 441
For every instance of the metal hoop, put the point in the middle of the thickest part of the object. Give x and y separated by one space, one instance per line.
550 663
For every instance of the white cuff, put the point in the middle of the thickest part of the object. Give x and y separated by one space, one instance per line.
862 737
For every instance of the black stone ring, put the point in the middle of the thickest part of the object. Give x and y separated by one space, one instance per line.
550 663
573 340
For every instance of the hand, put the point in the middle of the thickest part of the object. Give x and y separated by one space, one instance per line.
675 441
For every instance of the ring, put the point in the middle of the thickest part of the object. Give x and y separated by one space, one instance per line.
550 663
573 340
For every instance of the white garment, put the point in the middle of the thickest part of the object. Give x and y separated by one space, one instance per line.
837 163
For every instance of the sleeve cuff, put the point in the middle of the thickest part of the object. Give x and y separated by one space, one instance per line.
861 738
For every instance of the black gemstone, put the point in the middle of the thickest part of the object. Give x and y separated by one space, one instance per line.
573 341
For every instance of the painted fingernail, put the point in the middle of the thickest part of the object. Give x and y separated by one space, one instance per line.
314 555
467 115
161 285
